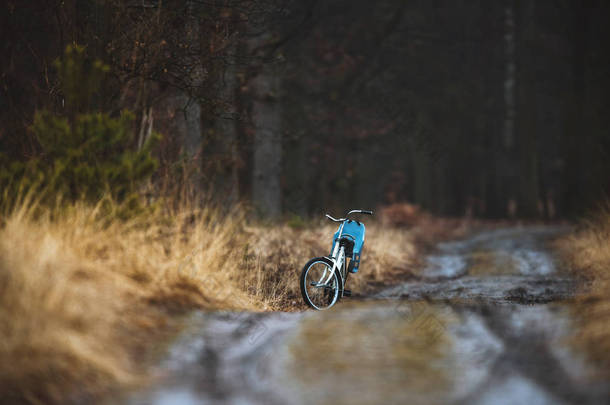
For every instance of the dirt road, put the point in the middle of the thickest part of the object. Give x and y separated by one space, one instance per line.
486 324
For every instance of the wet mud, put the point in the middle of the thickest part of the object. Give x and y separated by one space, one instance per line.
489 322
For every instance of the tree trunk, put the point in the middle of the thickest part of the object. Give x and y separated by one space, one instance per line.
184 110
422 174
507 161
266 120
510 75
577 137
529 110
227 181
187 123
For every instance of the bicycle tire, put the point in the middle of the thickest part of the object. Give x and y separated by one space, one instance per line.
336 278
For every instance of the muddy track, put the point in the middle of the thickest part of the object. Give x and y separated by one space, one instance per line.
487 323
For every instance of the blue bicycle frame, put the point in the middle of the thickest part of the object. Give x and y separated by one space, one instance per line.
355 231
352 230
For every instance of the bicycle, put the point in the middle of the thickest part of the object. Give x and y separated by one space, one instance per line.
323 278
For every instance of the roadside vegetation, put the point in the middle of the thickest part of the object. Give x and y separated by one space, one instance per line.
86 293
587 252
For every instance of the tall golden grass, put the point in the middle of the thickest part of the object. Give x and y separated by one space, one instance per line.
587 252
84 296
81 292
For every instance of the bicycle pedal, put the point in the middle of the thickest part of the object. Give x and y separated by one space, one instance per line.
347 293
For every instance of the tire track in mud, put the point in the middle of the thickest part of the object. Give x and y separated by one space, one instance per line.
222 357
529 368
532 361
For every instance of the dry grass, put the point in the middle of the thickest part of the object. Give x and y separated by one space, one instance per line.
84 297
80 296
274 257
587 252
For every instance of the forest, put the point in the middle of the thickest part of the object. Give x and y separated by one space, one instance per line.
165 166
468 108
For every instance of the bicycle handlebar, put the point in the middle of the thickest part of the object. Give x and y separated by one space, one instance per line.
366 212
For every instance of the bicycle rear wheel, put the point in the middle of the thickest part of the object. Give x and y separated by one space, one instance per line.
319 288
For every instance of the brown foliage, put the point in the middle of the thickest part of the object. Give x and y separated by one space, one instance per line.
587 252
401 214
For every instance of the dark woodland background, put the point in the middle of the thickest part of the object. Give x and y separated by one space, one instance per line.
485 108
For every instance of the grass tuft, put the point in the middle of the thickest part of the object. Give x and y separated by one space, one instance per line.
587 252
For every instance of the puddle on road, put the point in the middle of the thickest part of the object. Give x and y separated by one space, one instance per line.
498 262
363 353
508 251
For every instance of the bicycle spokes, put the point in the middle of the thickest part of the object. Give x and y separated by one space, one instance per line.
318 292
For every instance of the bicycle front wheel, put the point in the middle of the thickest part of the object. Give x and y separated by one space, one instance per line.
320 285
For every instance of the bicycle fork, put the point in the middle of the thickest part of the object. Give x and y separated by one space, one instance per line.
338 259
